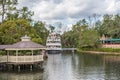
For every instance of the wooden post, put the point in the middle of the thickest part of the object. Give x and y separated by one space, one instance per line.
73 50
16 55
32 55
7 56
18 67
31 67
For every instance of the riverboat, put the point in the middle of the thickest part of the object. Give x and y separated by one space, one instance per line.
53 43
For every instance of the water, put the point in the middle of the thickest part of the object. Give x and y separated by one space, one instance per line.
73 67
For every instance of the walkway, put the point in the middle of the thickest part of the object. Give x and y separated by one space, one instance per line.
69 48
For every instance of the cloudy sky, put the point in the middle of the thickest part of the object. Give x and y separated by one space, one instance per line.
69 11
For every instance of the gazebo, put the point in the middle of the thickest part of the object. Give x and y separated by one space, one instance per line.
24 52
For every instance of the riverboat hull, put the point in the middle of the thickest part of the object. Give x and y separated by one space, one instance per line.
54 51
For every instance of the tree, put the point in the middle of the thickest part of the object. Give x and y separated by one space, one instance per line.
41 31
11 31
51 28
109 26
89 38
80 36
25 13
68 39
7 8
2 4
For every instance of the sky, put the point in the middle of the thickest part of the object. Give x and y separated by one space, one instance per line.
68 12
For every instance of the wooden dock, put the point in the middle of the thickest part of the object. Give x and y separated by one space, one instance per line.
69 49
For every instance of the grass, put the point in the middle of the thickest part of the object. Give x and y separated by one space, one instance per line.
101 49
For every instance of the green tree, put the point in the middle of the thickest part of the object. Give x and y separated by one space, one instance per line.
11 31
26 13
81 36
109 26
8 8
89 38
68 39
2 4
52 28
41 31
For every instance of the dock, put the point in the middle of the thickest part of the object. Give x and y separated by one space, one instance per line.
69 49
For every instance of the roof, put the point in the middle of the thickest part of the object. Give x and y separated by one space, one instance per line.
113 39
25 44
4 46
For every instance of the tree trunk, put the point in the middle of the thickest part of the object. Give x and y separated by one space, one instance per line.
3 9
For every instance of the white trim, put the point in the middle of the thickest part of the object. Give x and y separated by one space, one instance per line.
24 48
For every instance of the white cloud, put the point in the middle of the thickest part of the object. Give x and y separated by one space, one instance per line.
69 11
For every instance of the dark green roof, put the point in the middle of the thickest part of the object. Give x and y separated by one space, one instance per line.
115 39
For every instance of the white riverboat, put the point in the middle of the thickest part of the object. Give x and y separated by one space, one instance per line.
53 43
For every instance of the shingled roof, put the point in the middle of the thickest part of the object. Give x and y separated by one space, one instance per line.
2 47
25 44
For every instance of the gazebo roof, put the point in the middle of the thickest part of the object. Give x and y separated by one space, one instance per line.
3 46
25 44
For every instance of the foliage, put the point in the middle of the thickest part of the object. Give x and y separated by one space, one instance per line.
89 38
2 52
17 23
8 8
25 13
83 35
80 36
110 26
68 40
11 31
41 31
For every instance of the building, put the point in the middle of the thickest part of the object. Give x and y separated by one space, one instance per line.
110 42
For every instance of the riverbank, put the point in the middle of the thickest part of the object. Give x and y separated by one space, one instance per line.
100 53
103 51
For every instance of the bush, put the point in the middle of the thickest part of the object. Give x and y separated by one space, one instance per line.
2 52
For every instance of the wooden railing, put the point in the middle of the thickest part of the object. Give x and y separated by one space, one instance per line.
3 58
21 59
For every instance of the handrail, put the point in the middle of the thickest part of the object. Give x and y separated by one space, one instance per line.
20 59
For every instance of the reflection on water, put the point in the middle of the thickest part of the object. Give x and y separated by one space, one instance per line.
80 67
112 67
73 67
21 76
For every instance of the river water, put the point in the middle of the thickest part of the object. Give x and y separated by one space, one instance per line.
68 66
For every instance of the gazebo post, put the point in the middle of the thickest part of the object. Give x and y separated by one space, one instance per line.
31 67
32 55
32 60
18 68
7 55
16 55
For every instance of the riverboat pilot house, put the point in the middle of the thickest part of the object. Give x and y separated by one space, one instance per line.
110 42
22 53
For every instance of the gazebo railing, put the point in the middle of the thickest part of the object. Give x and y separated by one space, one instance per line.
20 59
3 58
